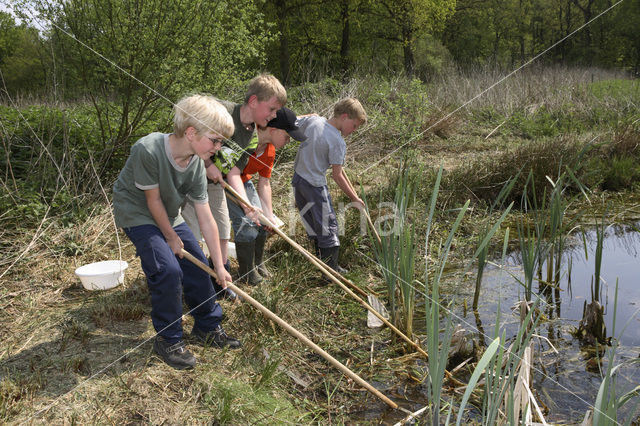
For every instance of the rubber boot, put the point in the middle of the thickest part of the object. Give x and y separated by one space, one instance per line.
329 255
247 272
259 254
315 247
222 293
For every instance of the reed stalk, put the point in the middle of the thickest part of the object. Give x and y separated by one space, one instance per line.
396 254
437 345
483 246
608 405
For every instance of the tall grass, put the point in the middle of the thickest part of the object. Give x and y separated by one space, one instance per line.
483 247
397 252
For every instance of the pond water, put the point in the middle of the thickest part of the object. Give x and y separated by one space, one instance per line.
567 382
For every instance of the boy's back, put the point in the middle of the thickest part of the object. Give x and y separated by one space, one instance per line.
324 147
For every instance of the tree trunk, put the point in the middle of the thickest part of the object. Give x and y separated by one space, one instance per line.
407 47
345 44
283 55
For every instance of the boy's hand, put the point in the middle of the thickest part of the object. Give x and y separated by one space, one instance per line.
359 203
253 214
176 245
214 174
223 277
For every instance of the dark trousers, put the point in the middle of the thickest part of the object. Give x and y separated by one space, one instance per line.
317 213
168 277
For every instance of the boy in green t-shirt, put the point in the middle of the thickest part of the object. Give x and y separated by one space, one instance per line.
160 173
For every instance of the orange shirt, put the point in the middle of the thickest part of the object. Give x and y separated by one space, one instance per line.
262 164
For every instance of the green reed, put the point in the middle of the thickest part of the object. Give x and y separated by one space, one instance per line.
484 236
606 409
397 251
437 345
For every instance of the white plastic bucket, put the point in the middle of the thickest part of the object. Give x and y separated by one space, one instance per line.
102 275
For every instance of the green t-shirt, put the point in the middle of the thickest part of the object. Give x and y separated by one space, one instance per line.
236 151
150 165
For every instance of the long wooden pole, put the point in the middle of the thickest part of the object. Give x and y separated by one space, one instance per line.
295 333
325 270
313 259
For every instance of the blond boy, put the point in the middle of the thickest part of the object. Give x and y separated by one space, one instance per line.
265 96
325 148
161 172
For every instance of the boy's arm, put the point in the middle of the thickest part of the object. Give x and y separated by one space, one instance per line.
338 176
235 181
159 214
209 230
264 192
213 172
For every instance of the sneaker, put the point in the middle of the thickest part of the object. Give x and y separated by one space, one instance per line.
216 337
175 355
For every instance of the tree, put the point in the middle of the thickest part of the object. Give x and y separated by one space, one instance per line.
408 19
20 57
133 58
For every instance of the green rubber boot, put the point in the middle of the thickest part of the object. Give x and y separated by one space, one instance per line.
261 239
247 272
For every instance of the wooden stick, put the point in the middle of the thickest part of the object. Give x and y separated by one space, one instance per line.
314 259
295 333
325 270
366 211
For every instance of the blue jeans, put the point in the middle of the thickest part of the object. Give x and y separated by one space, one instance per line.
168 277
244 229
317 213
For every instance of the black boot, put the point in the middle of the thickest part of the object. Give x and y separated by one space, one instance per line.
247 272
222 293
259 254
330 256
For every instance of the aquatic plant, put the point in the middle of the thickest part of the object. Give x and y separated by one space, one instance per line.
483 247
606 409
437 345
591 328
396 254
504 395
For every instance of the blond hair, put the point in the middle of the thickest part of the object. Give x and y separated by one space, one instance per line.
204 113
352 107
266 86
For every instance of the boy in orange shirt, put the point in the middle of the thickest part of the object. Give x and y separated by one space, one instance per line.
249 237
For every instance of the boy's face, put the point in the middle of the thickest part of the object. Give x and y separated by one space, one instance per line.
263 111
279 137
349 125
207 144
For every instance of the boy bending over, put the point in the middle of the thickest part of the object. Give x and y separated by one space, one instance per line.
265 95
325 148
161 171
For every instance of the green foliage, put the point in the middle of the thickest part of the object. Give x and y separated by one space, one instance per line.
400 109
21 68
620 173
615 89
132 59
